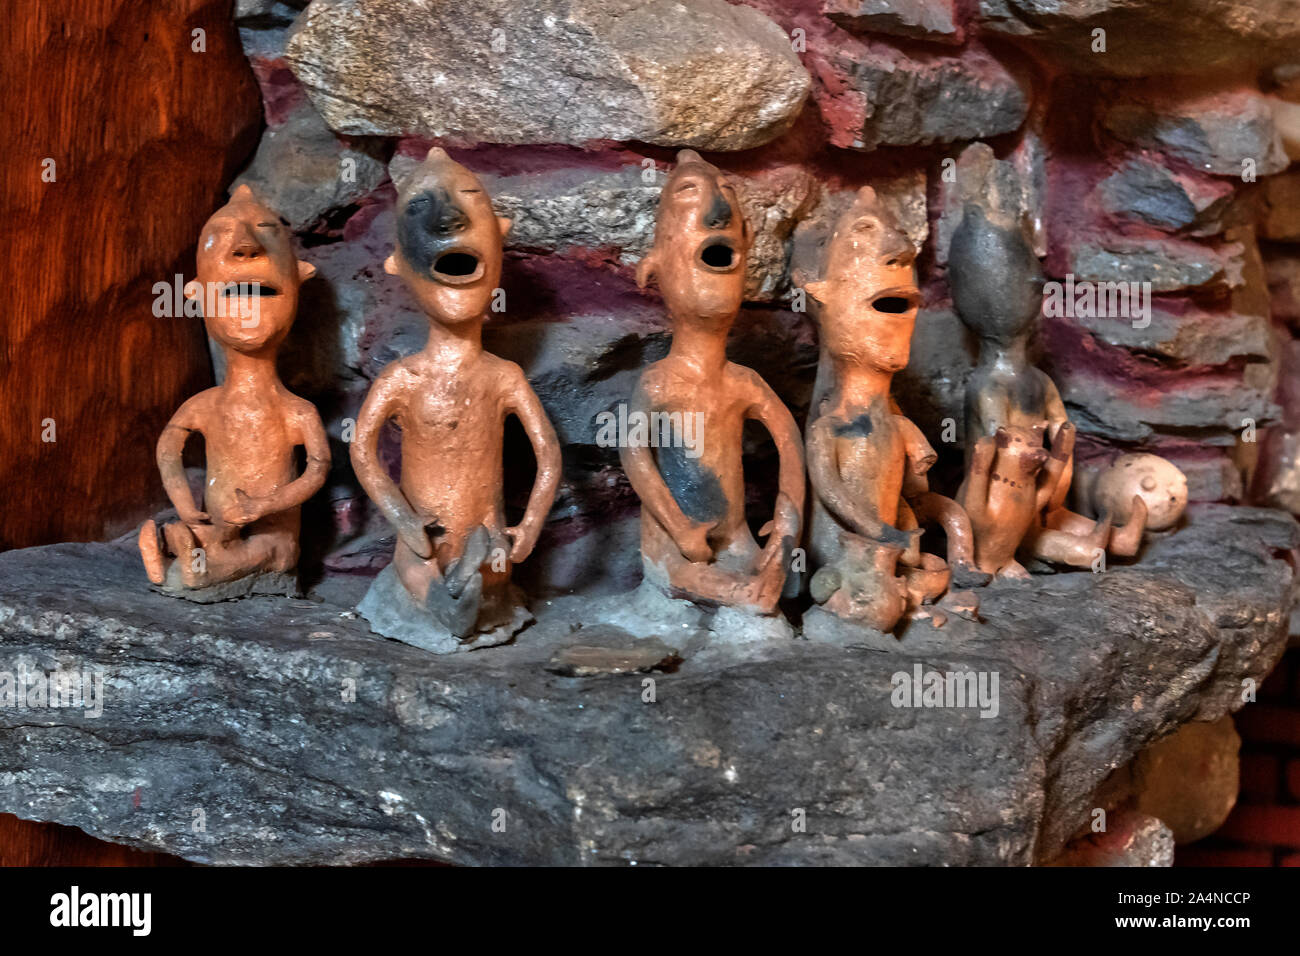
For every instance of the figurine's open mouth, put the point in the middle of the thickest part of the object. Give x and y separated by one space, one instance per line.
896 301
253 288
458 266
717 254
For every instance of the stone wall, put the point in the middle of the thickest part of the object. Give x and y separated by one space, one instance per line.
1140 141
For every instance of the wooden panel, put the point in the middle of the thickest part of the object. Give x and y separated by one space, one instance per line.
145 133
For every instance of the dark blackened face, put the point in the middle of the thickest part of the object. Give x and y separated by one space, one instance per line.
701 241
995 279
448 241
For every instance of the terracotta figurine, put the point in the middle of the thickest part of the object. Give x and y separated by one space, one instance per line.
1160 484
866 460
695 543
244 536
448 587
997 286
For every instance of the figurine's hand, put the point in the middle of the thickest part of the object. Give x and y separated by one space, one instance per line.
523 538
415 537
244 510
694 542
1063 442
192 517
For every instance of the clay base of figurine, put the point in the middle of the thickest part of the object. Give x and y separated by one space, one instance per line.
279 583
391 612
648 607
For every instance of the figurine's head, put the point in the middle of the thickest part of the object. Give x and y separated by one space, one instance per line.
995 278
248 275
701 240
1020 452
868 288
448 240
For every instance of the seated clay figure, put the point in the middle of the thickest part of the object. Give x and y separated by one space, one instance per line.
448 587
997 287
245 538
695 543
867 461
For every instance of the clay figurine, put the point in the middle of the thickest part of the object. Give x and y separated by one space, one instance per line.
243 539
866 460
997 287
448 587
1157 481
695 543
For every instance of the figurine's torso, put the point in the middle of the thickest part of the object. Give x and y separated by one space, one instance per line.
250 436
452 423
707 481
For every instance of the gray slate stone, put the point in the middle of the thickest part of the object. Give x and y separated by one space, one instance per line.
920 98
699 73
303 738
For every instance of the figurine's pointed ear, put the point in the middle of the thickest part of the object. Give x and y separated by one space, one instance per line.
645 270
192 289
305 270
504 224
817 290
390 265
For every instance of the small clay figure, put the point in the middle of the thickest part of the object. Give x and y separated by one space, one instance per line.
244 537
866 460
695 543
448 587
1157 481
997 287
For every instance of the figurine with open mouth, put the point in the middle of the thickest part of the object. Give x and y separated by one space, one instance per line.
448 587
245 538
695 542
867 461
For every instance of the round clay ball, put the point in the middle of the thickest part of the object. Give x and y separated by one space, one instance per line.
1160 483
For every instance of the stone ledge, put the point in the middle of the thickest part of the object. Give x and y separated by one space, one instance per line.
240 710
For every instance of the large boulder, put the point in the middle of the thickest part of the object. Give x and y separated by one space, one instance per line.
699 73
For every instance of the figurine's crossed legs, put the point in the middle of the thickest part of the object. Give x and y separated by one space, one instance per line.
741 573
208 554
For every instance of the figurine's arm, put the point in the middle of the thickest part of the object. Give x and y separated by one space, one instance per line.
382 402
171 448
311 435
1054 470
921 455
771 412
830 489
976 497
1053 408
546 447
691 537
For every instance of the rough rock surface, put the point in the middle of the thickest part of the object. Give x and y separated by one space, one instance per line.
1218 132
933 20
921 97
1146 37
296 736
699 73
303 171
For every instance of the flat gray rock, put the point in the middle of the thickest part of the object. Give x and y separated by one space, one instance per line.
281 731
